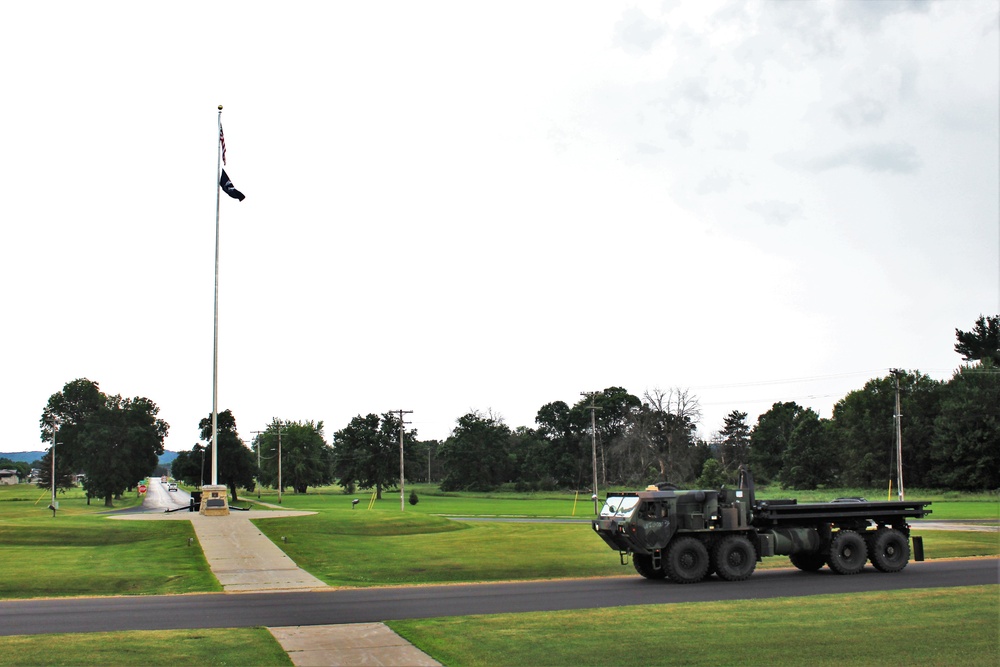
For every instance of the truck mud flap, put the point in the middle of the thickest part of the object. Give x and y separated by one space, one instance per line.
918 547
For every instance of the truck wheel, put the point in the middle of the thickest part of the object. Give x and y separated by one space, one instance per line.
735 558
890 550
848 552
686 561
644 565
807 562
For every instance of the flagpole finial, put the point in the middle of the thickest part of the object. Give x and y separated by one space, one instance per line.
220 107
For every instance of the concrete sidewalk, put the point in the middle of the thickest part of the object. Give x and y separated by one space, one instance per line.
354 644
243 559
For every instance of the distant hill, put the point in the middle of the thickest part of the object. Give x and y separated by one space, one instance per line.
30 457
26 457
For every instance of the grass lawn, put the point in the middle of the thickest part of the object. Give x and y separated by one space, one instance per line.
345 547
946 505
82 552
947 627
232 646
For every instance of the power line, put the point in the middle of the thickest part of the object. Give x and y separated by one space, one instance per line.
813 378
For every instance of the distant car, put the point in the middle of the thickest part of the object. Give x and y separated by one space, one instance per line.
172 486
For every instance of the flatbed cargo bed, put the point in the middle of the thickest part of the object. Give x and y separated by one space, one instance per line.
775 514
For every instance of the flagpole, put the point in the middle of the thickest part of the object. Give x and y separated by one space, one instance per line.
215 337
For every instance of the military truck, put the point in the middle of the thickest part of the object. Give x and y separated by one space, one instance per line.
686 535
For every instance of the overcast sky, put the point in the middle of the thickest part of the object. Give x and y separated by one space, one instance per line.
468 205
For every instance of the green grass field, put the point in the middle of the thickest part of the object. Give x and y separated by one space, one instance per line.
947 627
225 646
946 505
82 552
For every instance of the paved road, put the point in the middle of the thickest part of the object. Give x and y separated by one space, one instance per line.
24 617
158 498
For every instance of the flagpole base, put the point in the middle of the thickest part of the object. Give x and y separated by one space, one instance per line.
214 500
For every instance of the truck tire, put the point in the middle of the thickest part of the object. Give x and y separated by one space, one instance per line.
890 550
643 564
686 561
808 562
735 558
848 552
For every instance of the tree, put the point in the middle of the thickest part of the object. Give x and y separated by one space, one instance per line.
115 441
237 463
864 435
809 460
67 413
669 420
306 459
769 439
475 456
712 475
190 467
425 459
64 472
563 429
614 406
121 445
366 452
528 453
982 343
735 441
966 441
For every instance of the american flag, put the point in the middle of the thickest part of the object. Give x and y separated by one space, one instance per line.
222 140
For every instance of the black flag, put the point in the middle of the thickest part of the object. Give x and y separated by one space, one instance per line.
229 188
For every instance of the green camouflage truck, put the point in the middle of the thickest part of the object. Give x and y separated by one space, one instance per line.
686 535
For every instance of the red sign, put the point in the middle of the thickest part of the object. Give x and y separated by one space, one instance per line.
142 488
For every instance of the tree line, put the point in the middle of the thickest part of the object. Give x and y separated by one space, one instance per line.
950 433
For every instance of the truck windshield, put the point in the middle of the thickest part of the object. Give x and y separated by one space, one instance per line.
618 506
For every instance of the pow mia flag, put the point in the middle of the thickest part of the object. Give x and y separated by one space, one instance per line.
228 187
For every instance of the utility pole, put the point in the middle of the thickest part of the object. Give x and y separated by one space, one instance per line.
593 439
258 461
279 462
402 496
896 374
54 505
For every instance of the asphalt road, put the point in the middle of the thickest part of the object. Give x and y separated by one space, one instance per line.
158 498
25 617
